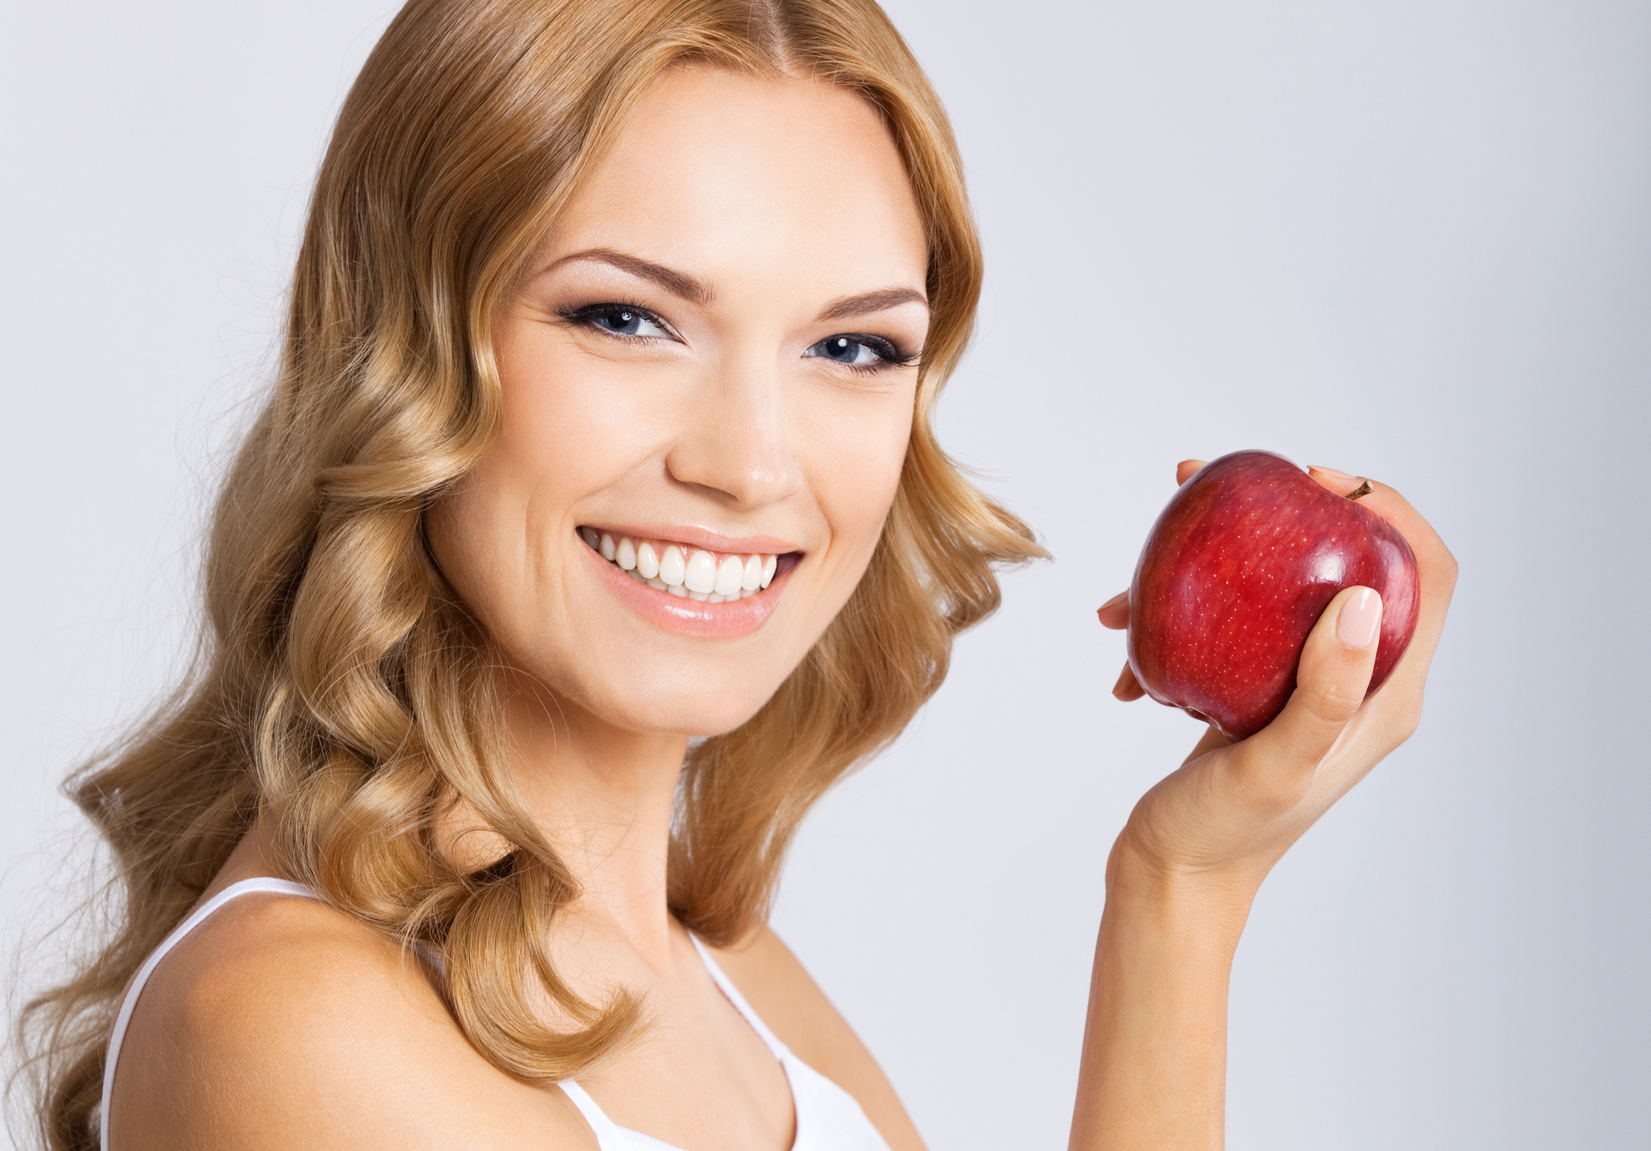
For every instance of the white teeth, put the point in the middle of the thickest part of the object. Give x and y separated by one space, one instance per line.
727 578
701 574
673 567
647 560
682 571
729 573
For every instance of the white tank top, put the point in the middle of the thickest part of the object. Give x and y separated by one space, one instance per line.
828 1118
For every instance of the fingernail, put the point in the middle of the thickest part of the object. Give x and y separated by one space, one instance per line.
1360 618
1342 482
1115 600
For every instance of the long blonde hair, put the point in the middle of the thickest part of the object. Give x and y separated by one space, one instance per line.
345 694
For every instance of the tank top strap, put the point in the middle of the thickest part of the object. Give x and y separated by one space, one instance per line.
781 1052
594 1115
260 885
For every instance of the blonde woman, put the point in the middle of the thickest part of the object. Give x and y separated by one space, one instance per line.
594 527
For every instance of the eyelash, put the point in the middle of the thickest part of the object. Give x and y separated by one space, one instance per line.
887 352
587 316
888 355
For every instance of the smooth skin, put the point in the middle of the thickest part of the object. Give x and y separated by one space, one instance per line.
780 216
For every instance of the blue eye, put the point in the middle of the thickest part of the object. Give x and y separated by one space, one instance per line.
859 351
621 320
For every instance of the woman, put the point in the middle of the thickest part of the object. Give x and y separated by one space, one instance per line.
594 528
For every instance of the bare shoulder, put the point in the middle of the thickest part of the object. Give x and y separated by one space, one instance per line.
281 1022
781 991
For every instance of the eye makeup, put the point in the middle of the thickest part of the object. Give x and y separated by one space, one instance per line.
628 321
842 349
625 315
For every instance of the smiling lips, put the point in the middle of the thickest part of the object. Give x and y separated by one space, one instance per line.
693 573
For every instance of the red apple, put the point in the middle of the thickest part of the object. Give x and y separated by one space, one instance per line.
1236 571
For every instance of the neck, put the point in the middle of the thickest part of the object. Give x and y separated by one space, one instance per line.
602 796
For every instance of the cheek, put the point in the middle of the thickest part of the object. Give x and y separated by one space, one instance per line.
567 430
571 423
854 467
486 544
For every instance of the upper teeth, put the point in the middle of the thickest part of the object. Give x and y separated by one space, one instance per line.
676 568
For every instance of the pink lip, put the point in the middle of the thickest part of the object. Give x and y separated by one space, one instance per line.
699 538
690 616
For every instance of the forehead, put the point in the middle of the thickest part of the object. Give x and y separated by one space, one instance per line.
721 173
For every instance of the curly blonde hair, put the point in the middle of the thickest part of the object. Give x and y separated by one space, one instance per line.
344 692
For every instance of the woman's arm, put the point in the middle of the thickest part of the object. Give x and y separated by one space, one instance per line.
1184 871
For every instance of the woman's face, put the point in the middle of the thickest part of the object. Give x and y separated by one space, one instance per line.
712 364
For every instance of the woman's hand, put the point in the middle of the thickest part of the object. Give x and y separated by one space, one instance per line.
1232 809
1197 846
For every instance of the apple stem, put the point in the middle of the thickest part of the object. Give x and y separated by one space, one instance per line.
1363 489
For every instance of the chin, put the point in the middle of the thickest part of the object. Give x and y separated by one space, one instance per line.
690 713
691 702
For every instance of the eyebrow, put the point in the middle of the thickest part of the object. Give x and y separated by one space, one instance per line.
674 282
698 292
868 302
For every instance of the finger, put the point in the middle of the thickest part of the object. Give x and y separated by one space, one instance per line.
1114 612
1339 482
1330 684
1186 469
1212 740
1128 688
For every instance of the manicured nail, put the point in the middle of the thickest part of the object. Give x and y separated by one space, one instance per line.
1350 486
1360 618
1121 597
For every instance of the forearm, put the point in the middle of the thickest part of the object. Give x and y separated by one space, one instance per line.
1153 1071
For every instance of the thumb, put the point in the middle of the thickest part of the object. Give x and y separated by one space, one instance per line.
1331 682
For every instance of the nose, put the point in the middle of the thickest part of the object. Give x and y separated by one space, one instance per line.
735 441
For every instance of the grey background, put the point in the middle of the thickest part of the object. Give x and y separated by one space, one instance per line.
1407 239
